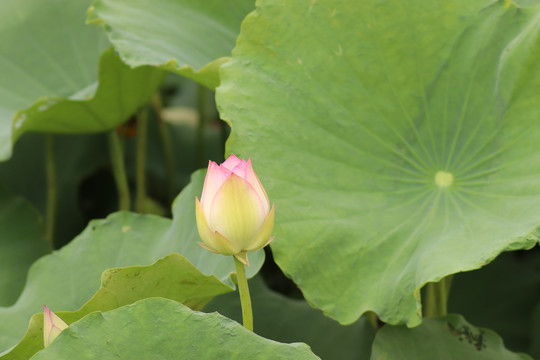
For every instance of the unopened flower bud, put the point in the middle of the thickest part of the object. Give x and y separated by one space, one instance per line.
234 214
52 326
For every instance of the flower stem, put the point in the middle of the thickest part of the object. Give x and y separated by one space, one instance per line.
117 160
245 299
166 143
437 297
142 125
373 319
50 166
201 108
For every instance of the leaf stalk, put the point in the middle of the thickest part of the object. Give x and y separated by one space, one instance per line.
119 171
142 143
166 143
50 171
436 301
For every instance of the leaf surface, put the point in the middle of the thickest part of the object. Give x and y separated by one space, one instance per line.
164 329
399 141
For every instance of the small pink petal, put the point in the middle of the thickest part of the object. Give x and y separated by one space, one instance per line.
254 181
52 326
240 169
215 177
231 162
211 164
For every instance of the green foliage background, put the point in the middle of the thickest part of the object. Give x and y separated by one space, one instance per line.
350 112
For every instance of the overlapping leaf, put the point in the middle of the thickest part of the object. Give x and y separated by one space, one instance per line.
172 278
165 329
399 141
189 37
53 77
286 320
446 338
68 278
511 287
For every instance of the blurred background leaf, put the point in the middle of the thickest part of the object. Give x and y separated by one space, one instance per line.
447 338
189 37
59 81
502 296
292 320
22 241
83 172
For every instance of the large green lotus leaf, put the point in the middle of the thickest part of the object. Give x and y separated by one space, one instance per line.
68 278
292 320
398 140
22 241
189 37
173 277
52 78
446 338
164 329
513 279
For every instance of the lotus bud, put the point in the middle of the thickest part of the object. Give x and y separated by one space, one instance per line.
234 214
52 326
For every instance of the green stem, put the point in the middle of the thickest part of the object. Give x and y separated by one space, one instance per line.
373 319
119 172
50 169
437 297
167 146
201 108
142 139
245 299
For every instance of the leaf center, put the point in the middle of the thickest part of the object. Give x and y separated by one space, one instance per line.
444 179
